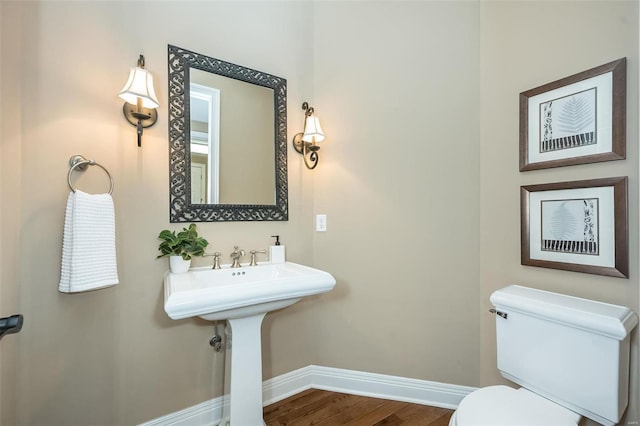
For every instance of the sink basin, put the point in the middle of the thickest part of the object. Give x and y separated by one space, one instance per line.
227 293
242 296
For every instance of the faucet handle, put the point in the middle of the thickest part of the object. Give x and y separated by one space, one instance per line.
253 256
216 259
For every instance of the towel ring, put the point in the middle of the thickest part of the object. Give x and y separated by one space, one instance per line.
81 163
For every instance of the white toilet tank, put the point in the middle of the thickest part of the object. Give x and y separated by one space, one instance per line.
570 350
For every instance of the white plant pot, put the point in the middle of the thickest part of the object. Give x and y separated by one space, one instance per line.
178 265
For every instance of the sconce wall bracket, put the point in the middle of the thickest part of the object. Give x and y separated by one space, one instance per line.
149 116
140 117
307 149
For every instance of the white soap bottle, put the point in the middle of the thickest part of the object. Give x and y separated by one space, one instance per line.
276 252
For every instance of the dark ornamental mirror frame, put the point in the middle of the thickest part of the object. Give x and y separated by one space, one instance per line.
180 207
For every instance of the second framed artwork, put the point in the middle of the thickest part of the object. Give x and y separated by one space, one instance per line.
575 120
577 226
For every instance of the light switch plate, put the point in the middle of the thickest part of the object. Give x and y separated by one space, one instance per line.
321 222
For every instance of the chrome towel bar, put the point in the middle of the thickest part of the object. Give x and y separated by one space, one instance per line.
78 162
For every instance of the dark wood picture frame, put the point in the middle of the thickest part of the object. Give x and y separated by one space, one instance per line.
581 147
535 249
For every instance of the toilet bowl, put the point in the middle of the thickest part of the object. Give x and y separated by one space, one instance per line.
569 355
505 406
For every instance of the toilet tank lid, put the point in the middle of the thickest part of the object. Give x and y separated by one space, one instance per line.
599 317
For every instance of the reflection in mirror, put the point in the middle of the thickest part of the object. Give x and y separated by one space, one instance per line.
205 143
233 121
227 134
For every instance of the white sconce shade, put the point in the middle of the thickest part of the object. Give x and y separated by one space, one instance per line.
140 85
140 99
312 130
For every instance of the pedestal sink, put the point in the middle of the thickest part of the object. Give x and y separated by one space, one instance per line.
242 296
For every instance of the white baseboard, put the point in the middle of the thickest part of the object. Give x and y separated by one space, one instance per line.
209 413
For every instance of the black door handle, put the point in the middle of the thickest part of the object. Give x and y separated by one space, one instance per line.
10 325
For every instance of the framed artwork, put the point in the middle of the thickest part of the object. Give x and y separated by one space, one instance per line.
575 120
576 226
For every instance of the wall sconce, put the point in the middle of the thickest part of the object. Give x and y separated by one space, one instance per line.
305 142
141 101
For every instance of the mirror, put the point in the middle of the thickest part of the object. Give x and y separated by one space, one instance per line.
227 141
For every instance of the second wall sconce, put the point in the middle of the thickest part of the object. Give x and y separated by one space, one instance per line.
140 99
305 142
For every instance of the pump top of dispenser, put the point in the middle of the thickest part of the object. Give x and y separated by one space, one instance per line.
277 237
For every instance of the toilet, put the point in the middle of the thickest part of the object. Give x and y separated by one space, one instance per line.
570 357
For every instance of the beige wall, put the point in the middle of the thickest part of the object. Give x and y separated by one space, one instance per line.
10 205
541 48
418 176
113 357
396 87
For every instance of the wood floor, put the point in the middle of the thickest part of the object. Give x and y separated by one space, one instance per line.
319 407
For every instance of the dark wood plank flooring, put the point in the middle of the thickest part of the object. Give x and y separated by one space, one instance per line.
319 407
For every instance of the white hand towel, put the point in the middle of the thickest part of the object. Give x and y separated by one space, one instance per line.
88 243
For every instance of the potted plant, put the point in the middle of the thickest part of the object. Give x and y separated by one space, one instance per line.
181 247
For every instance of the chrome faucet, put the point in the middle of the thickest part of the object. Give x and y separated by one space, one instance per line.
235 257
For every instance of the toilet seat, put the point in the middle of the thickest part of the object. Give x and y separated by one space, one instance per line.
505 406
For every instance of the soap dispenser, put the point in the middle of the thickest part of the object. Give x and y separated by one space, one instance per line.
276 252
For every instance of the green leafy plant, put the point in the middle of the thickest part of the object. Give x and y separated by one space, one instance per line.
186 243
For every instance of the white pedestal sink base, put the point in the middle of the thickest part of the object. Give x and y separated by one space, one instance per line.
242 297
246 371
